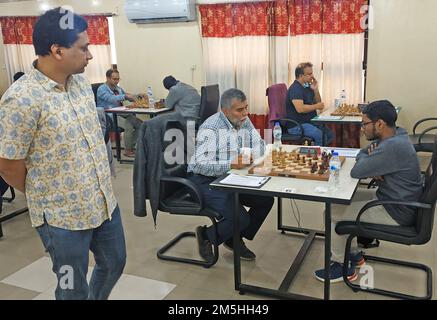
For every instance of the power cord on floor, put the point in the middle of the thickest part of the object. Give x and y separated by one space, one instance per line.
293 210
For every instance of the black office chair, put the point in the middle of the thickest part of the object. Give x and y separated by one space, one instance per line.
178 195
95 87
3 188
209 102
423 141
418 234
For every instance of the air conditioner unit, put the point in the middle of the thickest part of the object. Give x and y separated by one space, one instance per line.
156 11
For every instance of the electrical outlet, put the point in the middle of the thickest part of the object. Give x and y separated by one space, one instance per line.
193 67
3 66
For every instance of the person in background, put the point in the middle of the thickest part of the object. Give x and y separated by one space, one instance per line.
182 97
52 149
18 75
302 102
110 95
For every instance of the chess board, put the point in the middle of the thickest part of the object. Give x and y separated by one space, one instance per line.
159 104
142 101
347 110
293 165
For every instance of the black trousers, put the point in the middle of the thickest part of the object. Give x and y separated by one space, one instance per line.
223 203
3 188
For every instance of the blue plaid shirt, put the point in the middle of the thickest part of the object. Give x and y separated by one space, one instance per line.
219 142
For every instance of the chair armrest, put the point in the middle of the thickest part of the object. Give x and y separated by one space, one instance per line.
292 121
192 118
375 203
419 141
373 183
420 121
192 188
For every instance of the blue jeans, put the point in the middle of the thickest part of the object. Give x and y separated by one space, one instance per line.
69 251
313 131
222 202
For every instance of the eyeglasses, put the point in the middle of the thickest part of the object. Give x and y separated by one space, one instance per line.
363 124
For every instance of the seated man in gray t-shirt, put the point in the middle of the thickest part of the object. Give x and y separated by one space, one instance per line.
392 161
182 97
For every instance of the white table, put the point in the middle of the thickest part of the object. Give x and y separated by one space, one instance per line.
304 190
124 110
325 117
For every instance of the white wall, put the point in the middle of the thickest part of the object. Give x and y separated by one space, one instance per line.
402 63
145 53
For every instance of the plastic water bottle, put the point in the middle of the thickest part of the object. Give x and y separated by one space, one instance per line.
341 99
343 96
334 171
277 136
150 96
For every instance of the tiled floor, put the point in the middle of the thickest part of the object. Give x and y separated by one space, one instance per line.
25 270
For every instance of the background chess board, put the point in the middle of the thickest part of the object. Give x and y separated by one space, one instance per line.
347 110
292 168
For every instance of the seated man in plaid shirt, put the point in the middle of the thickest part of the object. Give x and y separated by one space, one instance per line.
219 142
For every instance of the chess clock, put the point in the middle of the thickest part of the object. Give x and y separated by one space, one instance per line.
310 150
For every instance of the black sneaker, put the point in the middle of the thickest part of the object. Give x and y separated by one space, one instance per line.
204 245
245 252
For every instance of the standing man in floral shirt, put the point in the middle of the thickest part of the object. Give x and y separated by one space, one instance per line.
52 149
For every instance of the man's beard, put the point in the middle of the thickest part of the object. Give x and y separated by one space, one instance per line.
238 123
373 137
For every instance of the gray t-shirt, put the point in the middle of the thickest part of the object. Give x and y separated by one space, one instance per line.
184 99
396 161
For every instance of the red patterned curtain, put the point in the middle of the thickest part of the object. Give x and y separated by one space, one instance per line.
306 16
98 30
325 16
216 20
275 17
342 16
278 18
17 30
250 19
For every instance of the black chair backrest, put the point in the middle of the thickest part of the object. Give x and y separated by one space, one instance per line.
96 86
432 166
176 148
209 101
425 217
109 127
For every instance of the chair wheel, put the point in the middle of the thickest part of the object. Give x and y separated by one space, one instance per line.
282 232
241 293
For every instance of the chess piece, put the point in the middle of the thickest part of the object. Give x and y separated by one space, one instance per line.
314 167
321 169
